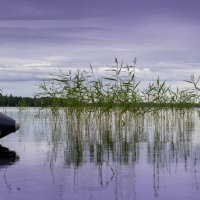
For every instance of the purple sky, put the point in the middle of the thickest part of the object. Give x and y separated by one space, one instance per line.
38 36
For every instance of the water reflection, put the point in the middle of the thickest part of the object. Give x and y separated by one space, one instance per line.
7 157
120 137
165 139
128 155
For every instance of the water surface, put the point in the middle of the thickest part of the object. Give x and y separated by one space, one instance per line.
100 155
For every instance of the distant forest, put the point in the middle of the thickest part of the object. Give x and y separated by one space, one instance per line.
15 101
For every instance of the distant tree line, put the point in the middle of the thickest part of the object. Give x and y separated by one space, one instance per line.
18 101
13 101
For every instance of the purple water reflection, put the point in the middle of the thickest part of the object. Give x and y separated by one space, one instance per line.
85 156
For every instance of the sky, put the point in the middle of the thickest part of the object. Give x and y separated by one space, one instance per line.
39 37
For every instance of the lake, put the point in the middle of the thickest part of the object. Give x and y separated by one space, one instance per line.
93 155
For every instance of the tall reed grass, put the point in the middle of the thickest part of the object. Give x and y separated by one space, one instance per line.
119 89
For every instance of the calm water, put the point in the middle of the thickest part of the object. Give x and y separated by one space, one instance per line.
94 155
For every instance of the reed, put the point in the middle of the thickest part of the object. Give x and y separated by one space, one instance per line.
119 89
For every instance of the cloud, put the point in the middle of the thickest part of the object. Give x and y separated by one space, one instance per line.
54 32
79 9
38 37
37 64
23 70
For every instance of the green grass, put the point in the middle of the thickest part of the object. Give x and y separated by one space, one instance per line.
120 89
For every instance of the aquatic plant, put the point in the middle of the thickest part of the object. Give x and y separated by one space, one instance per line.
119 88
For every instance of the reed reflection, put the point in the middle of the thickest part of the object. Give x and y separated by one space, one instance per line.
117 137
165 140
